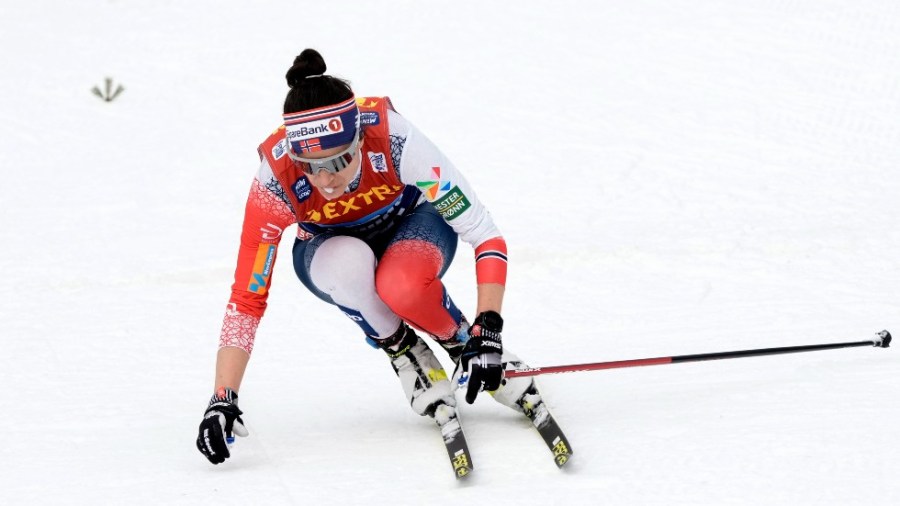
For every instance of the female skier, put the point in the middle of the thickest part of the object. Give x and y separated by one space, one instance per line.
379 209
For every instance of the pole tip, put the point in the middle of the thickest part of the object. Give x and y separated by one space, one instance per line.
885 339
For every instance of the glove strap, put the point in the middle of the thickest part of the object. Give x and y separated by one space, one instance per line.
485 332
489 325
224 396
489 320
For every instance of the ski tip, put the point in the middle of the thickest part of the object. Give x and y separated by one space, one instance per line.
562 451
462 464
462 468
885 339
463 472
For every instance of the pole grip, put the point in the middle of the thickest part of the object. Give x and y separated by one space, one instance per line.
885 339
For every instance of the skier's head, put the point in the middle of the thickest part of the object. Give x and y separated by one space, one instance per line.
310 87
321 121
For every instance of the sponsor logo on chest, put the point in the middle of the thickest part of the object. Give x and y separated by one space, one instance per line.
369 118
302 189
354 206
379 162
279 150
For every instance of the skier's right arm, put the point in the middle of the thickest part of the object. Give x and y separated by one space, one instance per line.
266 216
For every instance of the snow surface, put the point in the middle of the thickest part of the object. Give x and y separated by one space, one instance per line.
672 177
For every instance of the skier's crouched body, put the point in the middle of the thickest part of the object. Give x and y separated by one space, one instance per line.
394 279
379 211
426 383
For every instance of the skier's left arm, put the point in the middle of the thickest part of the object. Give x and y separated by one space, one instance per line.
426 167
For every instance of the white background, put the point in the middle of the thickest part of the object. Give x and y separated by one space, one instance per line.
672 177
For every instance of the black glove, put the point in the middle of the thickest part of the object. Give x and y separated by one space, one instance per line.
479 364
221 421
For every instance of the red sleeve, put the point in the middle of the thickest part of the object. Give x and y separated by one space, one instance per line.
265 218
490 261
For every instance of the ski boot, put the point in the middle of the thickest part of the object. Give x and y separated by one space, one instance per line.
422 377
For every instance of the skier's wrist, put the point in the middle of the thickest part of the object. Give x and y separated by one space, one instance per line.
485 334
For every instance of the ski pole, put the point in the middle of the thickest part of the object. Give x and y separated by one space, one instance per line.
883 341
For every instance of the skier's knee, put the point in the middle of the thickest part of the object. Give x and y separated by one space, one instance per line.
340 264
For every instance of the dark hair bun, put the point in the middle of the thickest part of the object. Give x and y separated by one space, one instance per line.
308 63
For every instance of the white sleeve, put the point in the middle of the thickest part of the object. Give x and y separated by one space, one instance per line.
424 166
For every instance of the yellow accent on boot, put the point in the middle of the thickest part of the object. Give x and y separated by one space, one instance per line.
436 375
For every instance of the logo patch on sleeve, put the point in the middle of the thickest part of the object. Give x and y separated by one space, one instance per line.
435 188
452 204
262 269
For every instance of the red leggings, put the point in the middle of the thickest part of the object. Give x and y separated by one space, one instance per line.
407 280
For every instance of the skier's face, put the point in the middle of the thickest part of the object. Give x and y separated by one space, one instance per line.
333 184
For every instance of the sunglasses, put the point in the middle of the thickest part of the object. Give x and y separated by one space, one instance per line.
332 164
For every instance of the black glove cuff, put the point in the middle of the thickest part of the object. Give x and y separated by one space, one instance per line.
223 397
485 334
490 320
